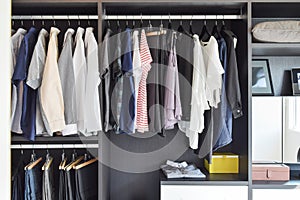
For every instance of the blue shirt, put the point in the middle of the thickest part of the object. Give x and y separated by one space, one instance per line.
19 77
223 114
127 115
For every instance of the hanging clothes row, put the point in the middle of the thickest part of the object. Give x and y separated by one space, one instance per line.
155 78
78 179
52 93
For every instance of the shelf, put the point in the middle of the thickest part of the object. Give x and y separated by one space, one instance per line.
294 182
16 139
211 179
276 49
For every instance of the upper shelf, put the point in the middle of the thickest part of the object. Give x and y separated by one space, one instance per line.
276 49
18 139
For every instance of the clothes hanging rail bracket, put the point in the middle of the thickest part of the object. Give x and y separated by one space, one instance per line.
54 146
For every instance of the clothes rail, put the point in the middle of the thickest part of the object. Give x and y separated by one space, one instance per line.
171 17
127 17
54 17
54 146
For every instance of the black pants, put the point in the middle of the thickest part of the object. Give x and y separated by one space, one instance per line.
61 190
87 182
70 185
18 181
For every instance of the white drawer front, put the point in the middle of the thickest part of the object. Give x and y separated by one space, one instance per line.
196 192
276 194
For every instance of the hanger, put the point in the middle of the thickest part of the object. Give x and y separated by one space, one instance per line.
54 23
215 32
204 30
86 163
69 22
170 23
191 27
126 26
89 22
33 23
32 165
43 22
63 160
48 161
33 161
223 24
180 28
73 163
141 22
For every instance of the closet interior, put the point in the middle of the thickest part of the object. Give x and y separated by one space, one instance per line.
66 158
129 164
119 177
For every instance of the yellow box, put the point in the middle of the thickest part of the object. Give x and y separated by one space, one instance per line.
223 163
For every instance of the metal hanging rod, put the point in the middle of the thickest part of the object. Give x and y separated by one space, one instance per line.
127 17
171 17
54 146
54 17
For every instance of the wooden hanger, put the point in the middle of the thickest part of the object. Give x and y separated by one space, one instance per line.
155 33
86 163
63 164
33 164
32 159
74 163
47 164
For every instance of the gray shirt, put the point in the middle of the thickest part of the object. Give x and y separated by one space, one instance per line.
105 74
67 78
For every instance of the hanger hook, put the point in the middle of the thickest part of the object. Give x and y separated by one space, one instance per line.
181 20
22 23
89 23
78 20
191 22
32 21
223 22
169 18
205 20
126 21
216 22
69 23
13 23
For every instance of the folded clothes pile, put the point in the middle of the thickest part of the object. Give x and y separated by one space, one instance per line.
181 170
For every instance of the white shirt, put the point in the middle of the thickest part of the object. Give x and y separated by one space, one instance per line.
17 96
51 97
92 104
214 71
198 102
136 68
80 77
35 74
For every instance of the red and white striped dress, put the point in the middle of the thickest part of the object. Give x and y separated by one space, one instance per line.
146 59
